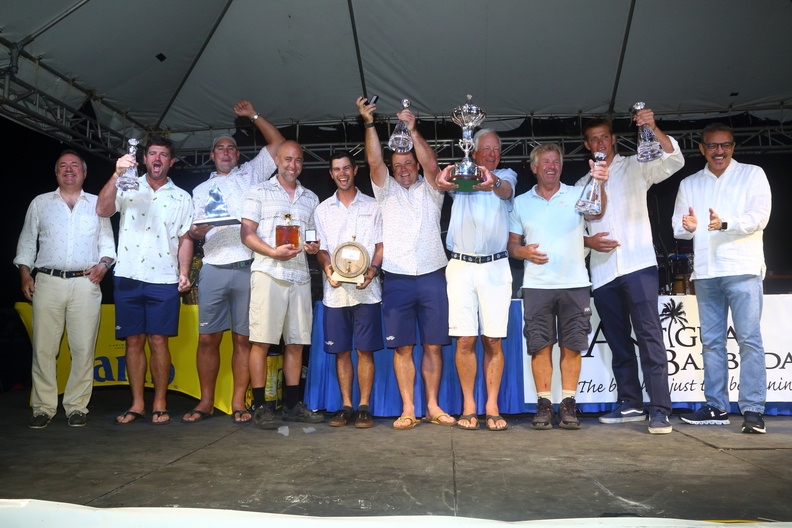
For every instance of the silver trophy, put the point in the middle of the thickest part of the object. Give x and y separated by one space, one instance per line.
216 210
648 147
468 116
590 201
129 180
401 139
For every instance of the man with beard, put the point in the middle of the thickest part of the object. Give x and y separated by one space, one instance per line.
280 293
352 312
154 258
413 262
478 275
224 281
728 274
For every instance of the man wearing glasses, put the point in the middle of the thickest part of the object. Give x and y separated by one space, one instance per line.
733 201
624 273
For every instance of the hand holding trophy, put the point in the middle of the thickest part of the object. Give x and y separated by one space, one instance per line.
648 147
466 174
129 180
590 201
401 139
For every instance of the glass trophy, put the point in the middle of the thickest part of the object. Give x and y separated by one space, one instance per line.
648 147
129 180
401 139
216 210
350 262
590 201
466 172
287 233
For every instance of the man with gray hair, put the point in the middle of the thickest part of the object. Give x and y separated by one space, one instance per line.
478 275
224 281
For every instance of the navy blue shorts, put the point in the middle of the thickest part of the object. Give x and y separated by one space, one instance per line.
361 324
145 308
407 299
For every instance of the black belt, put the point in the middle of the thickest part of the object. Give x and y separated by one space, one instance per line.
242 264
479 260
61 273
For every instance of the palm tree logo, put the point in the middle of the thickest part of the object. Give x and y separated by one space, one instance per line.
673 313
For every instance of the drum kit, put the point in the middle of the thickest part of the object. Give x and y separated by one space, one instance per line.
674 274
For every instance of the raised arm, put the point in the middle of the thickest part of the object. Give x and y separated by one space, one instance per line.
377 167
423 152
271 134
105 204
646 117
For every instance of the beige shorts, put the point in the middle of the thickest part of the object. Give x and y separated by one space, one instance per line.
279 308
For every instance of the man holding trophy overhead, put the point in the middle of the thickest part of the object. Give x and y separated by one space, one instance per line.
413 262
624 268
224 281
478 275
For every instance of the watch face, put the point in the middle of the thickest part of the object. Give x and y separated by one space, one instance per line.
350 259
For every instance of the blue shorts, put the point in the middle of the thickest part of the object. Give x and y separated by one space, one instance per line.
407 299
146 308
361 323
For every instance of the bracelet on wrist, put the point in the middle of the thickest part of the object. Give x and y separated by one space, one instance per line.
368 125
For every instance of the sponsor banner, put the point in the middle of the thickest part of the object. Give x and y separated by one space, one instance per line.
681 335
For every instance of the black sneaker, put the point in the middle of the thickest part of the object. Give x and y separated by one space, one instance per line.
753 424
707 415
77 419
342 417
658 422
624 412
264 418
301 413
567 413
39 421
363 419
544 415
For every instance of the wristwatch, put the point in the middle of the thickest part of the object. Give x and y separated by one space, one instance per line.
108 263
724 226
255 116
497 183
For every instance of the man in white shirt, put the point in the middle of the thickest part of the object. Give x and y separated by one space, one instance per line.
624 273
479 277
70 249
154 258
224 281
724 208
413 262
352 312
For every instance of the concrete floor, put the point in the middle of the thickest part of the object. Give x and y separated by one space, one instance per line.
697 472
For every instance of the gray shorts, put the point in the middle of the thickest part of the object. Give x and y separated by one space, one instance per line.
557 316
223 300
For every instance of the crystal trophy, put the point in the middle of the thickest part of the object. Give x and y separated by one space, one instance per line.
466 172
350 262
216 210
129 180
590 201
287 233
648 147
401 139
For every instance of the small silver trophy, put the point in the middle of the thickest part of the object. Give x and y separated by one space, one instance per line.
401 139
648 147
216 210
129 180
468 116
590 201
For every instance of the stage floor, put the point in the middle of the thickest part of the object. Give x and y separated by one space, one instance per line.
697 472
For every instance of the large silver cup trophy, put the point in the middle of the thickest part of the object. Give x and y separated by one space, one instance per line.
648 147
590 201
129 180
401 139
468 116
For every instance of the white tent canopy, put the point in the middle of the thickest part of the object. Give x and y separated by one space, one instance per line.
179 65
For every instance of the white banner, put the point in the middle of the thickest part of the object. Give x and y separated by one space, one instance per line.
681 334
